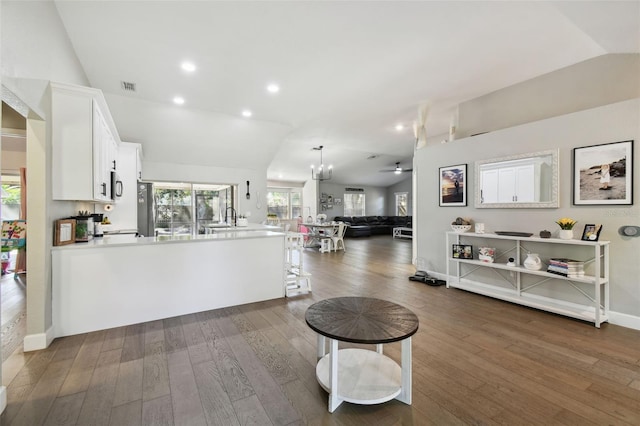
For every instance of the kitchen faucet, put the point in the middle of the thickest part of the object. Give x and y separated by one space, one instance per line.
234 215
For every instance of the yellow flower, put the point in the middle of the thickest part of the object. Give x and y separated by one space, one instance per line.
566 223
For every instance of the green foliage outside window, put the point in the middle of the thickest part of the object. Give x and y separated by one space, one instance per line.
10 194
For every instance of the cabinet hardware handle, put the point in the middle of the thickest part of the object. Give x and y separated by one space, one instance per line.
104 189
114 164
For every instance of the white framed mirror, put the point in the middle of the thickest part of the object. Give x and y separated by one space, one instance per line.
518 181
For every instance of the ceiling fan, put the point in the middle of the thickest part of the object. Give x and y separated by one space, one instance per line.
398 169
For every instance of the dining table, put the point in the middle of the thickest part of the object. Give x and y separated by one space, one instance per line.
318 231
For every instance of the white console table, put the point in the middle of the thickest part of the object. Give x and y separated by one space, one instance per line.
596 310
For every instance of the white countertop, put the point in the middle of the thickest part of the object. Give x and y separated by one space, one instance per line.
221 234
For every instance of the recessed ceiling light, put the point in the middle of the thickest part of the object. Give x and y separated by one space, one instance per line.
399 127
178 100
273 88
247 113
188 66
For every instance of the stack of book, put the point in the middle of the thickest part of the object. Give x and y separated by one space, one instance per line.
566 267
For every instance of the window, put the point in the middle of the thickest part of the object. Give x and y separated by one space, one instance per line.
354 205
10 197
175 204
211 202
401 203
285 203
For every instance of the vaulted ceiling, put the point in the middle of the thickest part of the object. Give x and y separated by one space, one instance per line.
349 71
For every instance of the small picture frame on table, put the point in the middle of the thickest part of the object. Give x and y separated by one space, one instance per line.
591 232
64 232
462 251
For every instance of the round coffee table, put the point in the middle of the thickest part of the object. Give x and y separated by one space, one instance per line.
362 376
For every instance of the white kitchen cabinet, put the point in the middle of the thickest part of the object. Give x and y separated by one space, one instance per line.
85 143
509 283
509 185
125 214
108 283
101 157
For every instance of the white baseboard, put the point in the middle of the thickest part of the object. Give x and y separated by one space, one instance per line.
3 398
36 342
616 318
624 320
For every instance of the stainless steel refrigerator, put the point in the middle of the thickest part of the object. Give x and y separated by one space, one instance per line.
146 210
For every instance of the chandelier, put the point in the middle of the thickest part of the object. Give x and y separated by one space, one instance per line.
322 173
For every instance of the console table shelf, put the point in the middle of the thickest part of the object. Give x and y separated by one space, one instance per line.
596 311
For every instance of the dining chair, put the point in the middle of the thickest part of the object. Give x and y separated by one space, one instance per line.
338 237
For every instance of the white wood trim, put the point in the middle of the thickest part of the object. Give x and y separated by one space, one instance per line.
624 320
3 398
36 342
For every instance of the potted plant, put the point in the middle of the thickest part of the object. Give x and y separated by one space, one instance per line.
566 228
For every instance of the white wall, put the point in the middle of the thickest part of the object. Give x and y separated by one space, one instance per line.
374 199
599 81
12 161
610 123
310 199
35 49
174 134
257 205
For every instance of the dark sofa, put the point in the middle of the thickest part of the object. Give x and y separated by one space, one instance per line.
364 226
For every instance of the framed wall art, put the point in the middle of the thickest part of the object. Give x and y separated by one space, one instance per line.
603 174
453 185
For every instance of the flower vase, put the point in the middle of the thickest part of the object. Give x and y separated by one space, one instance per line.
566 234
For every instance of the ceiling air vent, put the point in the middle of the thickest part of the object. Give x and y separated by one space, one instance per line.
128 86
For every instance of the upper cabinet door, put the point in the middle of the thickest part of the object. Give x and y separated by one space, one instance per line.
72 145
83 144
101 160
139 163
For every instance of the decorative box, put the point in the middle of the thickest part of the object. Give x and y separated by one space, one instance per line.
486 254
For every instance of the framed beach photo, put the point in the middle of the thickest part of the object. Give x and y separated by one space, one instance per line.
453 186
591 232
603 174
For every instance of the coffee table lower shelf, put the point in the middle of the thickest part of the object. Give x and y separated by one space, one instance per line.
365 377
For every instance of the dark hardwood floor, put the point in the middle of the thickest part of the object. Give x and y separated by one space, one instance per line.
475 361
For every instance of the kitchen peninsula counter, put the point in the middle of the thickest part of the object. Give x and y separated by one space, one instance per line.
108 283
118 240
